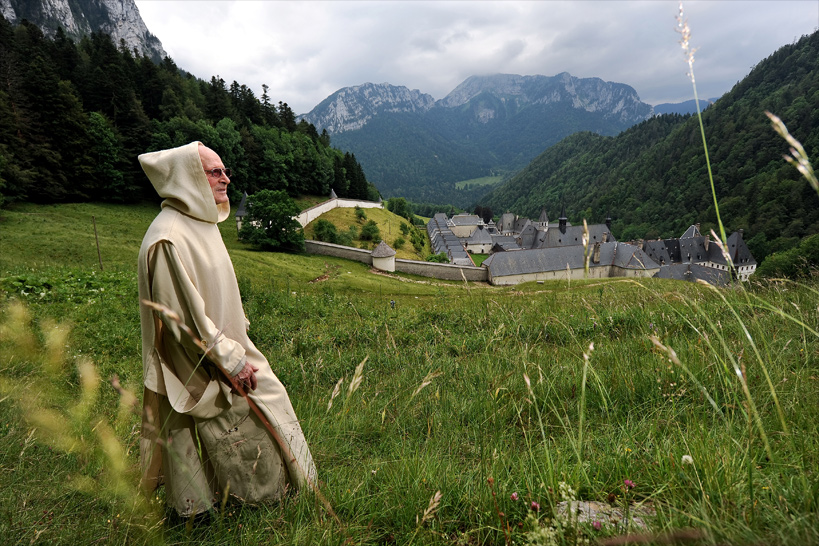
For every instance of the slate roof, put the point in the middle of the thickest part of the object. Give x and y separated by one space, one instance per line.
333 194
574 236
692 249
479 237
443 240
692 272
521 224
529 236
683 258
503 264
383 250
506 242
506 222
241 211
740 253
662 252
466 220
544 218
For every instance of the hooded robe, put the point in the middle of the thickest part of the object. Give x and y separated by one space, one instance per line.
212 444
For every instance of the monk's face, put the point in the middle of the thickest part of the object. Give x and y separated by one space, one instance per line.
218 184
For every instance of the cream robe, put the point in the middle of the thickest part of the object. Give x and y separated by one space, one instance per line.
213 444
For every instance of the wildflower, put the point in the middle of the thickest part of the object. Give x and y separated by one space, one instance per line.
597 525
629 484
514 496
535 506
687 459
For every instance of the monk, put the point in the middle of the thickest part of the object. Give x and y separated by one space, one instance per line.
199 436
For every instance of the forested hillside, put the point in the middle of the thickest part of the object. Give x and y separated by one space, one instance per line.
652 178
74 117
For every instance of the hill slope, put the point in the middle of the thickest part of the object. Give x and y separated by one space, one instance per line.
444 399
652 179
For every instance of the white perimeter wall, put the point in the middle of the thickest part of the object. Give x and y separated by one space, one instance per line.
424 269
312 213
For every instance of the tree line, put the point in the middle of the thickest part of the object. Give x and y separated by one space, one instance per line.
74 116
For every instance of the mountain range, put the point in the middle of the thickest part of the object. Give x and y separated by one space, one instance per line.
653 178
118 18
413 146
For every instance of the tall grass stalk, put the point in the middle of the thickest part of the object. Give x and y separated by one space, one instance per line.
685 41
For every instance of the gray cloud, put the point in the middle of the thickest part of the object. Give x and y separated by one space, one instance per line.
307 50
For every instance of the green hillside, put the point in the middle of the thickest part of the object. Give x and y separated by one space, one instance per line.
652 178
389 228
507 401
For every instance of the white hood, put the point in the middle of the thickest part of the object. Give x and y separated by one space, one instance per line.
178 177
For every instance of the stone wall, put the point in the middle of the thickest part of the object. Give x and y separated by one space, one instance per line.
425 269
314 212
339 251
595 272
447 272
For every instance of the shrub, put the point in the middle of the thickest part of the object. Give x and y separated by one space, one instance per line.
440 258
370 231
344 238
405 229
399 243
270 222
326 231
796 262
360 214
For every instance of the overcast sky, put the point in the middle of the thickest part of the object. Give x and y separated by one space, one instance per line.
306 50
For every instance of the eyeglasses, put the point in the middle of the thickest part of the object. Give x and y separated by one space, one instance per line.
217 173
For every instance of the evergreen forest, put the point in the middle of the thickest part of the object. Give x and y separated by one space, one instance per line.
652 178
74 116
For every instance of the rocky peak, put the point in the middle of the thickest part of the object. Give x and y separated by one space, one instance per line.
613 100
499 84
118 18
351 108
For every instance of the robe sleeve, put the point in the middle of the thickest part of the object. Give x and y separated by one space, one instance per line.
172 287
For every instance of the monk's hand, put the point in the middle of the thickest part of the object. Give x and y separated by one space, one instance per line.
247 377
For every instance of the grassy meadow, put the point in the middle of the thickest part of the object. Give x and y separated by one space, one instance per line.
697 405
482 181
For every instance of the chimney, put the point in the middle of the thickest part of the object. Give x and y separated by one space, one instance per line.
697 226
608 221
605 236
707 241
562 220
596 255
640 244
741 232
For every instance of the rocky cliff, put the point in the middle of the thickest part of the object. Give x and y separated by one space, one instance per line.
351 108
613 100
118 18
